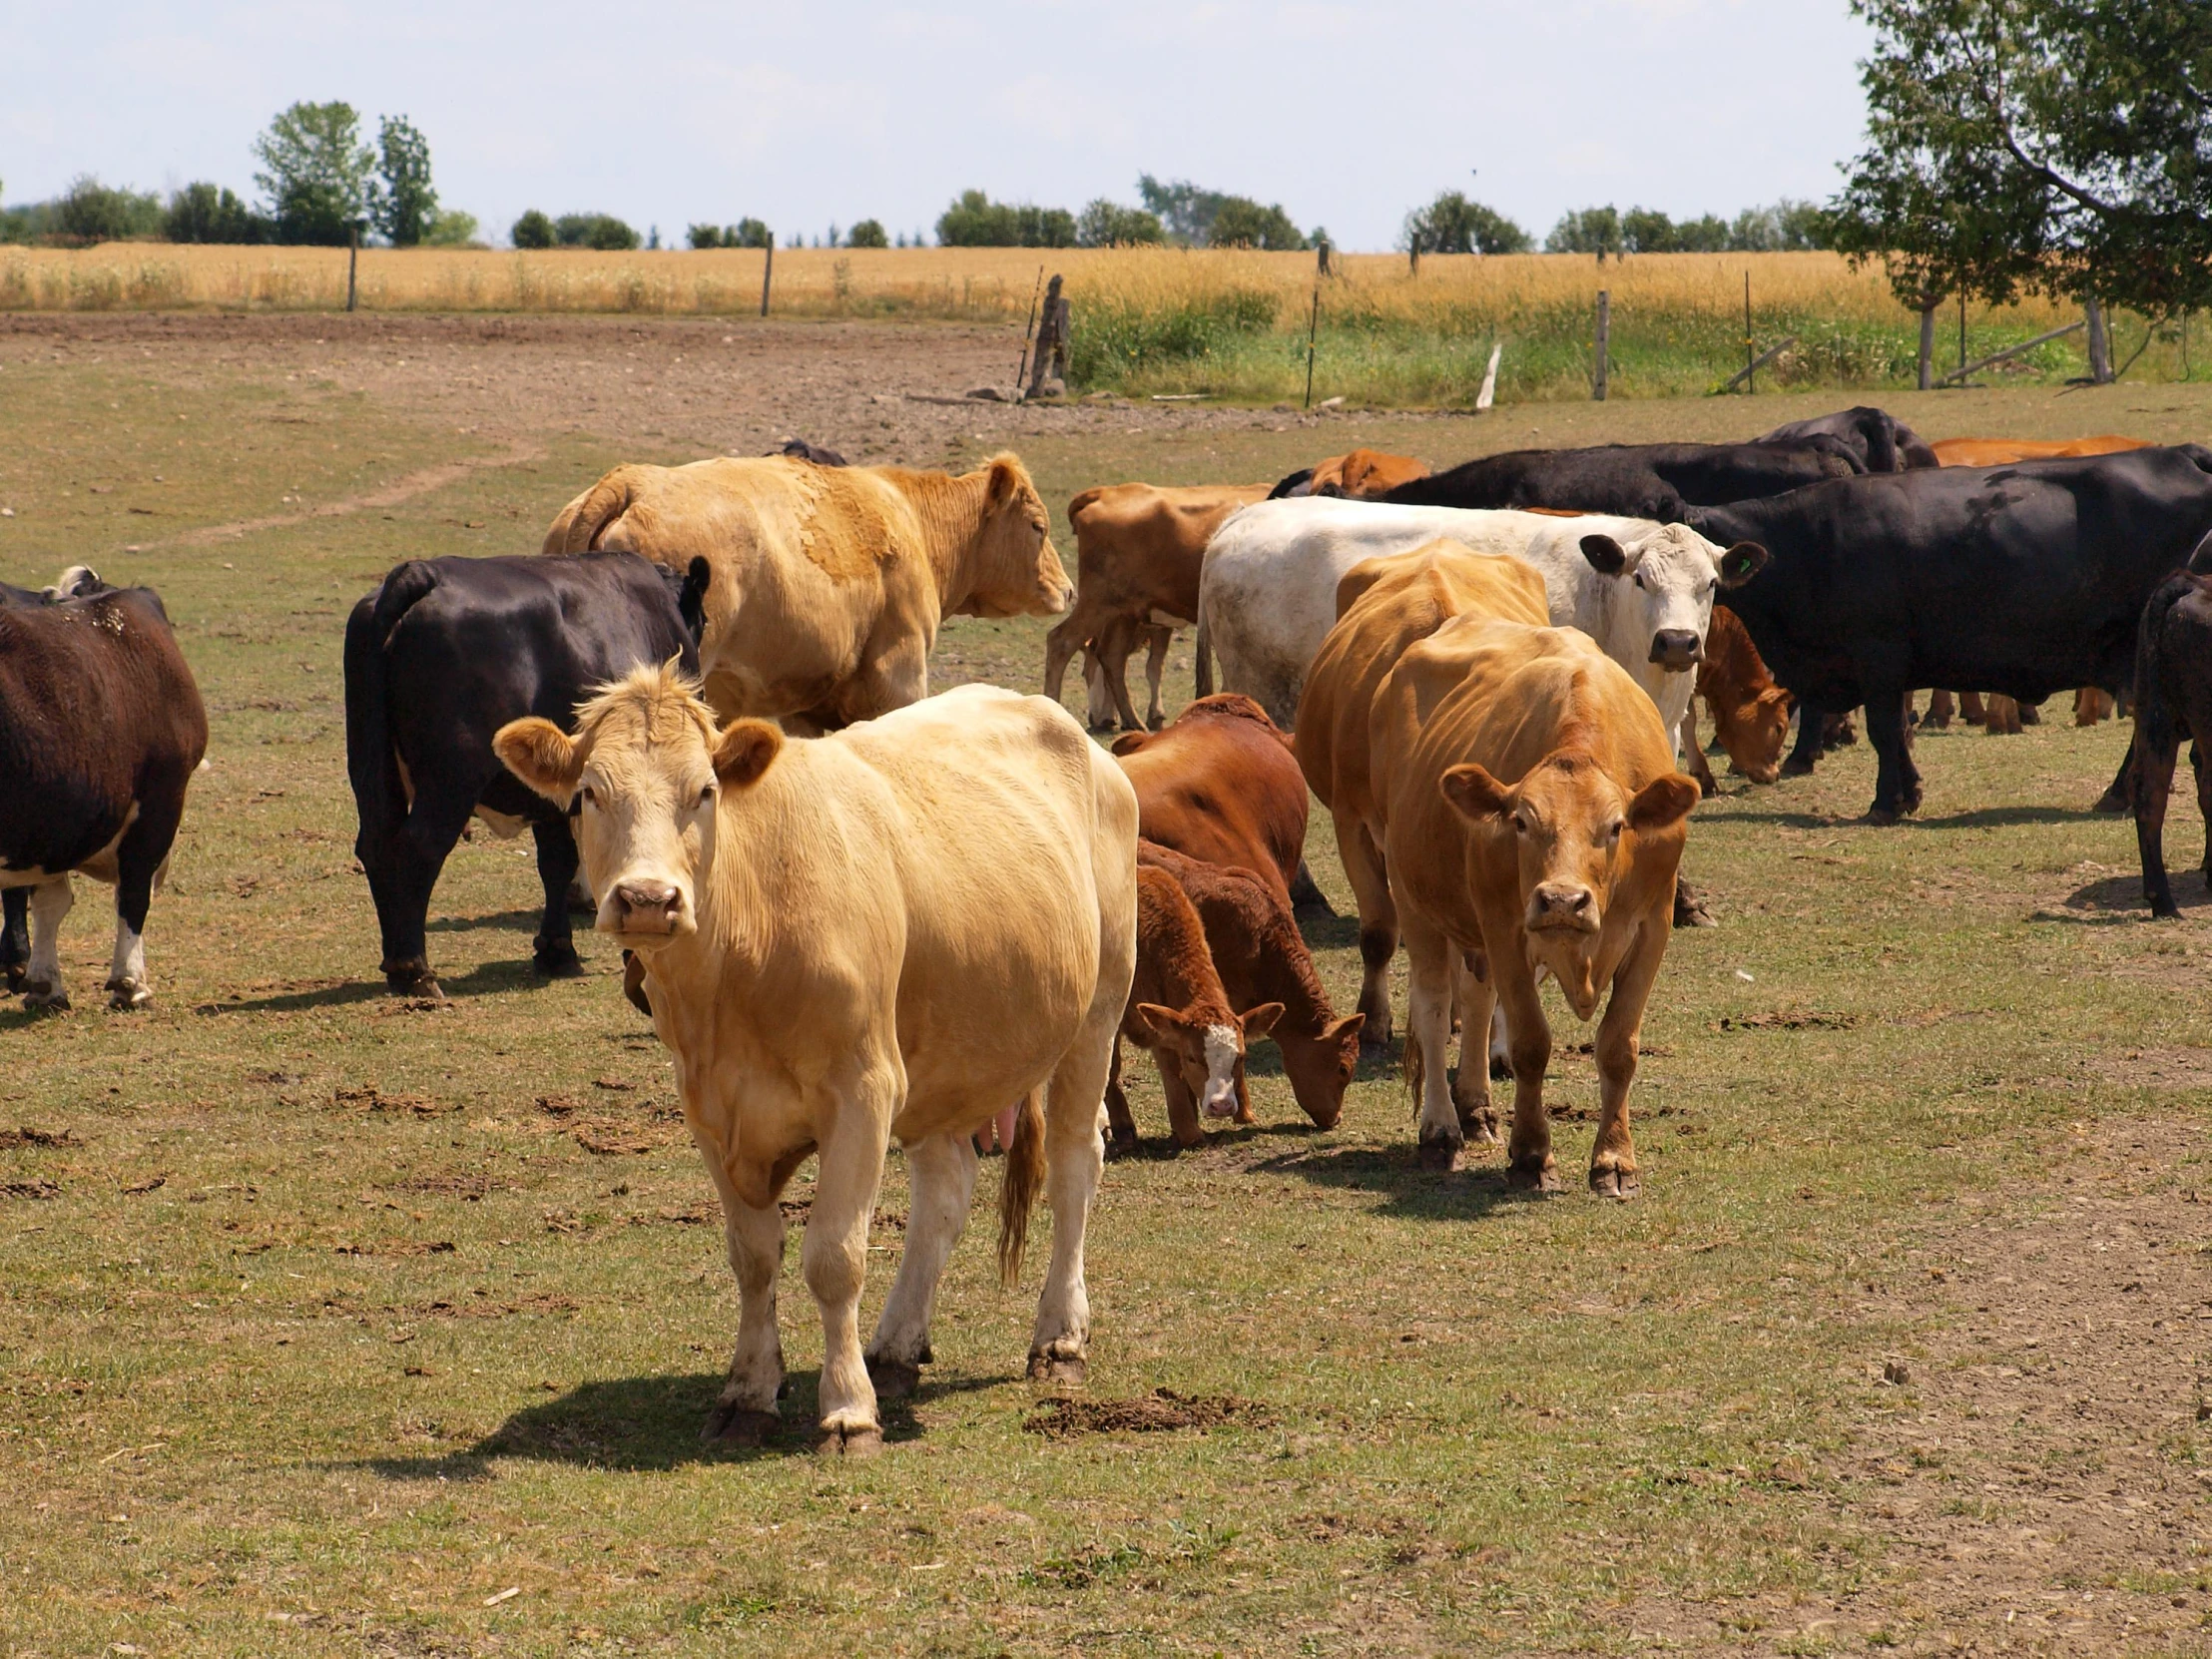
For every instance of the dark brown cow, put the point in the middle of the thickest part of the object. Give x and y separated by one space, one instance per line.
1222 784
1751 712
101 728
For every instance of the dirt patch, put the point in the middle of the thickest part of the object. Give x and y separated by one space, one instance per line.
396 1247
40 1189
10 1139
1157 1412
373 1099
2157 1068
1786 1019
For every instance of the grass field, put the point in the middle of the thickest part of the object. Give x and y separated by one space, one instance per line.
331 1324
1232 324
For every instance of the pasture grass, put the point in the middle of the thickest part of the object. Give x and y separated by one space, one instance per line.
292 1366
1230 325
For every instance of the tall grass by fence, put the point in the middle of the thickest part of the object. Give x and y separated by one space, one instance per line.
1167 321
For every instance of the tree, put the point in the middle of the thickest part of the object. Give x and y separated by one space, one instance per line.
867 234
532 229
318 173
401 204
601 231
705 235
1243 223
1107 224
452 229
975 221
1194 217
1586 230
1453 225
206 213
748 232
92 212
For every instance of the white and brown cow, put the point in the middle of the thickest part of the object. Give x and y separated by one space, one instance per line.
892 930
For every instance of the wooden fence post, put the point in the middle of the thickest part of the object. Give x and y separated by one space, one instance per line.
1928 340
1604 332
767 271
1488 394
1324 270
1051 360
1962 336
352 262
1751 347
2100 342
1312 327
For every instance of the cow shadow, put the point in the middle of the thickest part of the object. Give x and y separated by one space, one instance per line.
1984 817
509 922
1394 1175
650 1425
1323 932
2117 901
484 980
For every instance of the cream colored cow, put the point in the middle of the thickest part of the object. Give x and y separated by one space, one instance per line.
892 930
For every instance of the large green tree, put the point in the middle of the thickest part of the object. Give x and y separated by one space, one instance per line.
317 175
401 203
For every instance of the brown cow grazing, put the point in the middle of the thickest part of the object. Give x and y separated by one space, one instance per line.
828 583
1750 712
1261 958
1180 1013
1137 549
1532 821
2005 452
2093 705
1383 606
1221 784
1357 475
101 730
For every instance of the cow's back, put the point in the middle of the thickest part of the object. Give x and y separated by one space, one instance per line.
1220 784
1151 538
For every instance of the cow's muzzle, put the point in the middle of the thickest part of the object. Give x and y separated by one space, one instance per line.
1562 906
1677 650
645 908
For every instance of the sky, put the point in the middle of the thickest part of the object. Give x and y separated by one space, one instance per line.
666 112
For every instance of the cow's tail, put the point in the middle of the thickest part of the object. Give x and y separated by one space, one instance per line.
577 527
1024 1175
1202 658
371 760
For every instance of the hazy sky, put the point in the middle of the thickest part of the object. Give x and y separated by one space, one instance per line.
808 114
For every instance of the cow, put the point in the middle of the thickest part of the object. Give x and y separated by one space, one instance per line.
2022 579
1137 549
2008 452
1261 960
1387 605
888 931
799 449
1221 784
2173 700
1357 475
439 656
1652 480
1750 712
101 730
828 583
1876 439
1532 821
1180 1014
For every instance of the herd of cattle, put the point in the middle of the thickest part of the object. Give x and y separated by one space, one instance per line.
855 913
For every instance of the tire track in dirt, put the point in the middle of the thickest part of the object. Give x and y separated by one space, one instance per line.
399 490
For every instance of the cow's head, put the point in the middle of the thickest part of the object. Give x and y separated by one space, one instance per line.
1205 1052
1321 1068
1662 595
643 778
1012 569
1753 732
1574 832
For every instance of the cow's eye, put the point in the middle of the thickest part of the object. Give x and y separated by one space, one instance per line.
1613 830
1520 824
585 796
707 795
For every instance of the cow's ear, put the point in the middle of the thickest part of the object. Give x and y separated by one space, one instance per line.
690 599
1779 696
745 749
1258 1022
1155 1026
1741 563
1473 793
1661 802
1006 480
543 756
1607 557
1130 741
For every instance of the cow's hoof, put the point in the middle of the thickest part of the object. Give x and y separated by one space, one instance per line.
46 1000
1121 1146
729 1423
125 994
415 983
1533 1175
1615 1183
1067 1370
1881 818
894 1378
1438 1153
2114 800
558 961
854 1440
1689 908
16 977
1479 1126
1794 767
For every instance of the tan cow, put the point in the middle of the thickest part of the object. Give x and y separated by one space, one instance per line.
888 931
2010 451
1137 549
828 582
1533 823
1383 605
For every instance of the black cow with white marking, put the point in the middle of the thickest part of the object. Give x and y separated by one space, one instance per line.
101 728
442 653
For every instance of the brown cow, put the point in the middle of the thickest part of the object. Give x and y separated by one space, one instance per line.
1137 549
1751 712
1180 1013
1383 606
1221 784
1532 821
1357 475
2005 451
1261 958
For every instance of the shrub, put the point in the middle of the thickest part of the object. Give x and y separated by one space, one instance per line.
450 227
1107 224
1243 223
975 221
92 212
867 234
532 229
1453 225
601 231
1120 337
705 235
206 213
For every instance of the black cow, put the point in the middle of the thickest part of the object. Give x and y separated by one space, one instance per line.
1643 480
442 653
1876 438
101 728
799 449
2173 700
2022 579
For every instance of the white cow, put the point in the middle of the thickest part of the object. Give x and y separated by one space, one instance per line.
1267 595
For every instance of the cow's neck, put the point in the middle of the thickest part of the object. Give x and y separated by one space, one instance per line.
950 512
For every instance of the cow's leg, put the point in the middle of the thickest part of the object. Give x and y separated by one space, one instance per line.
1811 721
1429 999
745 1412
402 873
1896 780
1111 651
1942 709
554 950
15 935
1529 1164
1122 1126
892 679
1613 1156
1061 642
941 1169
2119 795
2028 714
1687 746
2154 777
2091 703
1470 1087
1182 1119
1371 890
834 1254
50 902
2003 717
1098 698
1973 709
1157 641
141 859
1074 1154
